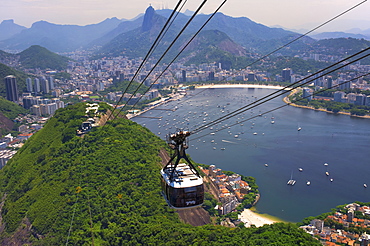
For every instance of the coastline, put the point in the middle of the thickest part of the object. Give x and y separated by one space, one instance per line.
240 86
251 217
287 101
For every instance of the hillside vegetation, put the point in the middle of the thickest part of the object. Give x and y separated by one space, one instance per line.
8 112
103 189
21 78
40 57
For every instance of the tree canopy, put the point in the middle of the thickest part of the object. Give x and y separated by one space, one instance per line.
103 188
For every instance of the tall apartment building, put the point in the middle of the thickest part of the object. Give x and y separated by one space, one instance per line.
11 88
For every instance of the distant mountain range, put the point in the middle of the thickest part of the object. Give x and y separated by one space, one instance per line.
223 38
63 38
57 38
8 29
327 35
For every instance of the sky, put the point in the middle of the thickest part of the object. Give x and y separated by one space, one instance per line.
287 13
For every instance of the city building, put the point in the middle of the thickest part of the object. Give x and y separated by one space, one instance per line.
11 88
183 76
44 85
37 85
286 74
307 93
29 85
51 83
339 96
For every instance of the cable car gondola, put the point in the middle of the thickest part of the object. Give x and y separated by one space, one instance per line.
182 185
85 127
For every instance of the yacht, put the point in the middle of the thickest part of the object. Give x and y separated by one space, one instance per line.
300 169
365 185
308 182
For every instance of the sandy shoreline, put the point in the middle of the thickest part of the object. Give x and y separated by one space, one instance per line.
249 217
240 86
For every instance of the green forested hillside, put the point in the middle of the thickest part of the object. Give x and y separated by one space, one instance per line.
8 112
103 189
40 57
10 109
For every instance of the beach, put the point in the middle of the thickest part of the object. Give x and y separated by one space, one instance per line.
240 86
249 217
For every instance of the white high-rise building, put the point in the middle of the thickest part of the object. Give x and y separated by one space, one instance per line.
37 85
29 85
51 83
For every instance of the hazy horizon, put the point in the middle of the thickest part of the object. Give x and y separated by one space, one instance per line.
299 14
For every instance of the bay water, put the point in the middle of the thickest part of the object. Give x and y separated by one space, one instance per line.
269 147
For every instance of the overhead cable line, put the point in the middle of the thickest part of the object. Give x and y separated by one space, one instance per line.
301 36
282 106
151 50
73 216
283 90
305 34
166 51
290 42
186 45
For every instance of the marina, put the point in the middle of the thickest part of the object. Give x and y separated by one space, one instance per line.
340 140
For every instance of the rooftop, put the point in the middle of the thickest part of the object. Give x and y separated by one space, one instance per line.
183 176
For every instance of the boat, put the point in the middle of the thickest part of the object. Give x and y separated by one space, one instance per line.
299 128
327 173
223 148
331 180
308 182
272 122
300 169
255 133
291 181
236 136
266 165
365 185
326 164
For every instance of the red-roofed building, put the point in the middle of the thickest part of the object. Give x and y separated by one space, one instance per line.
24 136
